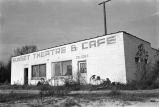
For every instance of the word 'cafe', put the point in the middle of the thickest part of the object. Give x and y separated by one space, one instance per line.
63 49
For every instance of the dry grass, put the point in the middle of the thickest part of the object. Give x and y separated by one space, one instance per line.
76 100
114 94
14 97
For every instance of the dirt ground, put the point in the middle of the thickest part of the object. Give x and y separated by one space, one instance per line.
82 101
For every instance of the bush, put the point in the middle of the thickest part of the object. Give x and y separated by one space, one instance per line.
72 85
45 87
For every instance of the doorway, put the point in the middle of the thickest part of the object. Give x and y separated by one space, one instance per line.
82 69
25 76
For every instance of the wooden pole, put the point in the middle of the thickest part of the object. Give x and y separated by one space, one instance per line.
104 12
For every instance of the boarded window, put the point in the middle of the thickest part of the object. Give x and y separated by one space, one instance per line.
63 68
38 71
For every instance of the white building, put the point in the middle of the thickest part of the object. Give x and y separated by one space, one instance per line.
111 56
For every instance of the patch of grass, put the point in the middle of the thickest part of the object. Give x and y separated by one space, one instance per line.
117 95
130 97
70 103
13 97
57 92
32 87
114 93
91 97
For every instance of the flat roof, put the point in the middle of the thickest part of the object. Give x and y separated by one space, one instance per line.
84 40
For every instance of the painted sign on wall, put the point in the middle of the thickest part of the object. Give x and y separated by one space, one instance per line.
87 44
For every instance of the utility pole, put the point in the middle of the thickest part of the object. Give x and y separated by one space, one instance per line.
104 10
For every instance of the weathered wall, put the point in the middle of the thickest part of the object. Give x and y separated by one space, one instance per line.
131 44
104 58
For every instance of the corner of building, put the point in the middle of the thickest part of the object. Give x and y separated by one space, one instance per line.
131 44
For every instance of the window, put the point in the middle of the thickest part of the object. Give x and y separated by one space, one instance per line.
58 69
83 67
39 71
63 68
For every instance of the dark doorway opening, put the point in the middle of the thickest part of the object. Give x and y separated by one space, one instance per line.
25 76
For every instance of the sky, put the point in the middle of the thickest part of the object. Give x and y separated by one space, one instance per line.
48 23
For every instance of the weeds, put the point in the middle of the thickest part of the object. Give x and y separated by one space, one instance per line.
70 103
114 93
14 97
15 86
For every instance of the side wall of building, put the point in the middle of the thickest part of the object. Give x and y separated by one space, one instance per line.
131 44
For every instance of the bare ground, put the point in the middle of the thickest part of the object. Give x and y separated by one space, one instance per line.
87 100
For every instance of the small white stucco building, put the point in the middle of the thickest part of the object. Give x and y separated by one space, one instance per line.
110 56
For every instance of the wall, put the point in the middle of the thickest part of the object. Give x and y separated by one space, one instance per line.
104 57
131 44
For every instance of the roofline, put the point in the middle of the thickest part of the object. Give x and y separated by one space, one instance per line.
136 37
84 40
70 43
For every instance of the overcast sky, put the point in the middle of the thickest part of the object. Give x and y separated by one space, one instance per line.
47 23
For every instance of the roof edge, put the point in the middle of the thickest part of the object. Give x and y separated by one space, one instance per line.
70 43
87 39
136 37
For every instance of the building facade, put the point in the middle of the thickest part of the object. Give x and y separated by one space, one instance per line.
111 56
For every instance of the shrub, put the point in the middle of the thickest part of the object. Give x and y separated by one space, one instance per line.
45 87
72 85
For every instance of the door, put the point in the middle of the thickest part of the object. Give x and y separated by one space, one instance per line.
82 68
25 76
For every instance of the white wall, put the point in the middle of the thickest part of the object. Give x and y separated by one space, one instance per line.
105 60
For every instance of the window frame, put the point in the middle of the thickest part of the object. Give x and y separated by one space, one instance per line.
38 78
85 61
61 68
